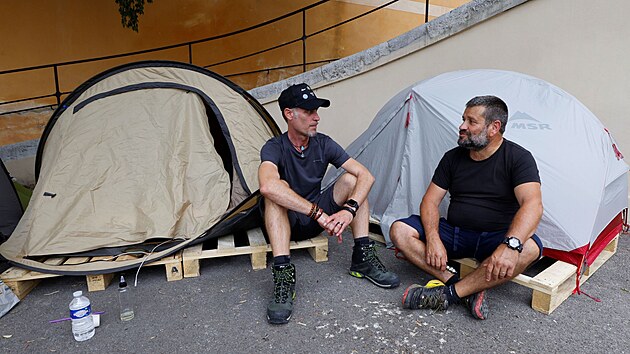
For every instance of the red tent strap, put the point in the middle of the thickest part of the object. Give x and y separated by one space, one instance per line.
577 289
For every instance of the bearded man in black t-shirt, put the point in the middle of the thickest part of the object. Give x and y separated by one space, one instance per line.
295 208
495 207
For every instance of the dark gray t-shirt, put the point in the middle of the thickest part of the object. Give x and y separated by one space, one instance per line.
304 174
482 192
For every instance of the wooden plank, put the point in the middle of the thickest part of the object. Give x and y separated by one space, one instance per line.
225 242
376 237
174 269
259 255
99 282
319 252
190 259
23 287
552 286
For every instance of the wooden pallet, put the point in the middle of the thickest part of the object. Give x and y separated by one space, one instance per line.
22 281
257 249
555 283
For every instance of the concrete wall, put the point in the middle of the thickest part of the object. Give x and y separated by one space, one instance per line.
580 46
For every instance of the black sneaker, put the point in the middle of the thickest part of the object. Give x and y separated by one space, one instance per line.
425 297
477 305
371 267
280 308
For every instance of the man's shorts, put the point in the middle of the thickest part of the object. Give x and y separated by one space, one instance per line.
462 243
303 227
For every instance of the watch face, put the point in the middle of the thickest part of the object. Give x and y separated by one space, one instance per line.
514 243
353 203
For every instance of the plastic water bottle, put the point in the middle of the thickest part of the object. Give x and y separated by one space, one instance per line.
125 300
81 315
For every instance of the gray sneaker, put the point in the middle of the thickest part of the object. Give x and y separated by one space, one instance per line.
371 267
425 297
280 307
477 305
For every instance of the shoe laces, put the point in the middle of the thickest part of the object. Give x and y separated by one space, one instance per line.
431 298
369 255
283 278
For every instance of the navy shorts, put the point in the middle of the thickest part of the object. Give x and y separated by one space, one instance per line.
462 243
303 227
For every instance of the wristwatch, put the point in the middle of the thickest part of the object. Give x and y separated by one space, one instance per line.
514 244
353 204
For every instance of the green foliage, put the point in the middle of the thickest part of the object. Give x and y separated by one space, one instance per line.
130 10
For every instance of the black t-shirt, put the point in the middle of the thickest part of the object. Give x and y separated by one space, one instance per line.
482 192
303 174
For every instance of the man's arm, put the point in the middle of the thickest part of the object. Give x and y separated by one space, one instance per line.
523 226
279 192
336 223
364 180
430 215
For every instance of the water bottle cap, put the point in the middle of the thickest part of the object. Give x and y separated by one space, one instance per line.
77 293
122 283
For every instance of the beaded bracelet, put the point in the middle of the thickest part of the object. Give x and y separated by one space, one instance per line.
320 211
313 210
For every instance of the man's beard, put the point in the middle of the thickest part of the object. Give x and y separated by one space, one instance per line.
311 134
474 142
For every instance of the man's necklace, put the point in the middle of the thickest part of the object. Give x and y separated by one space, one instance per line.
300 148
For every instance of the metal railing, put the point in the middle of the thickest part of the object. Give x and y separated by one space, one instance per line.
189 45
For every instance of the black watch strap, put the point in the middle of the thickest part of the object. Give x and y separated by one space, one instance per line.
351 210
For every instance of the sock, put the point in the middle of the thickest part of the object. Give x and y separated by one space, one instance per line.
361 241
357 254
452 280
451 294
281 260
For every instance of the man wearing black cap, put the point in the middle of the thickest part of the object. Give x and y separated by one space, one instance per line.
290 174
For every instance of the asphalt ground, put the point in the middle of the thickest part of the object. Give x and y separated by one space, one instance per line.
223 311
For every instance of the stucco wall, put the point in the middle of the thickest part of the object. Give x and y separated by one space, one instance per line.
578 45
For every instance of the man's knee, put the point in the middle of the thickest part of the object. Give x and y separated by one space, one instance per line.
345 184
399 231
531 251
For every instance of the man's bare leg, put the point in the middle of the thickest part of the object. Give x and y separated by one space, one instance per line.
407 240
365 263
476 281
278 229
341 192
280 307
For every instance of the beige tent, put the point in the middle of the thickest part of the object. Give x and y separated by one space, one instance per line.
142 154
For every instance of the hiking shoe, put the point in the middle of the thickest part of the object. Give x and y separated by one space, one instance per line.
477 305
371 268
280 307
425 297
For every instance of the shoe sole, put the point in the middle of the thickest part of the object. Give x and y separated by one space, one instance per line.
478 310
281 321
361 275
405 304
278 322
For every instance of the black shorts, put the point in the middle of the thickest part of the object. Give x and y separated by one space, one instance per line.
462 243
303 227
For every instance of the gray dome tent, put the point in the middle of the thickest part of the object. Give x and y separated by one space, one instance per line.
142 154
584 177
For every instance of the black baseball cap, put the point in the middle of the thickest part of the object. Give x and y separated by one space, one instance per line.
300 95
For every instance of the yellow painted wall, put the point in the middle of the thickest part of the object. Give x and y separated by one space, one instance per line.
38 32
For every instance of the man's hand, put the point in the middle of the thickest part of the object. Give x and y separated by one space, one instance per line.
436 253
336 223
501 263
